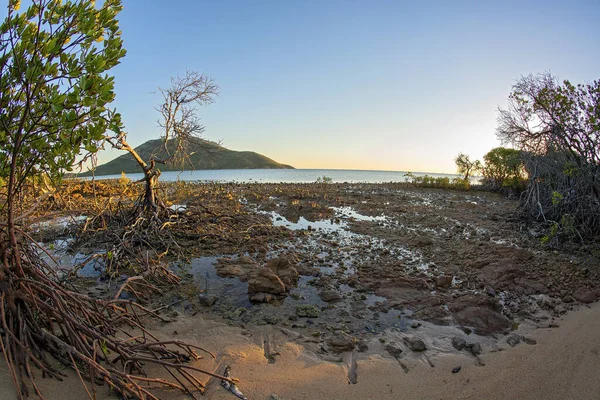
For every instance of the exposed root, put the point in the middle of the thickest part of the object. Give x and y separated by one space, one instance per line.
104 341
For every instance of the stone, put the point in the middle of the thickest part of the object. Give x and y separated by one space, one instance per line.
568 299
458 343
271 319
415 325
483 320
307 310
586 296
513 340
330 296
341 342
206 300
528 340
415 344
456 369
265 281
261 298
443 281
285 270
362 346
394 350
475 348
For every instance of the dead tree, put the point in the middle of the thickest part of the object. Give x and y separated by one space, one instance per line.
181 128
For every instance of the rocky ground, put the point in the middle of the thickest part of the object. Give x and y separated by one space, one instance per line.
373 268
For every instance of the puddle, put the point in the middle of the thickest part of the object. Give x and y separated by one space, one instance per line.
56 255
349 212
304 224
231 290
58 222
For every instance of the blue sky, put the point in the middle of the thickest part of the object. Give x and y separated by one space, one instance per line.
387 85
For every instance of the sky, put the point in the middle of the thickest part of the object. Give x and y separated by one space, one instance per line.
378 85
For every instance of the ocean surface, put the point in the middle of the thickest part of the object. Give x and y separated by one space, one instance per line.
282 175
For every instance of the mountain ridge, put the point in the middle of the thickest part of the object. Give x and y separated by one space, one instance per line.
204 155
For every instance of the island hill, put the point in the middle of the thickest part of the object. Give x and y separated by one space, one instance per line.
204 154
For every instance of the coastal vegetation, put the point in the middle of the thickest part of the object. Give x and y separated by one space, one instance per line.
180 128
86 265
556 125
56 87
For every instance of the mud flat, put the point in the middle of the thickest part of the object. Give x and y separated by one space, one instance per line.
381 291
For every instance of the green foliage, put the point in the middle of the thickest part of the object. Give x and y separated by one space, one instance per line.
124 180
324 179
504 168
443 182
466 167
557 126
556 198
54 86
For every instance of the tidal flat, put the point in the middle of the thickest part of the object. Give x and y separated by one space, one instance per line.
370 283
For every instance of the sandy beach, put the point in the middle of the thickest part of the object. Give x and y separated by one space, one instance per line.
563 365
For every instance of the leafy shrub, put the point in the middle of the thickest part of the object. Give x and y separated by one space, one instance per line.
443 182
504 169
324 179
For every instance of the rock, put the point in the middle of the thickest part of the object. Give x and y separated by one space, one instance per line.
458 343
528 340
262 298
394 351
271 319
236 267
490 291
265 281
415 344
483 320
330 296
443 281
307 310
568 299
456 369
586 296
466 330
285 270
513 340
475 348
206 300
362 346
341 342
415 325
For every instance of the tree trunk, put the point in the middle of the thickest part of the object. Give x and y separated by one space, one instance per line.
151 179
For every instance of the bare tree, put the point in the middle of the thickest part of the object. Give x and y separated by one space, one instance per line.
181 127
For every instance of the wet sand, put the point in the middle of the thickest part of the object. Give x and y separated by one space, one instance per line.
563 365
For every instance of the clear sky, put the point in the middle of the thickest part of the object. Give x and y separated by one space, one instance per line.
388 85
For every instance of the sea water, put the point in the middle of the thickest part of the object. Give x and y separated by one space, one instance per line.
282 175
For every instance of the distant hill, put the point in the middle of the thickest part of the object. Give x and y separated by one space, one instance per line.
204 155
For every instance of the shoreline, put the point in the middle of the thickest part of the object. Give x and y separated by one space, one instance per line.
563 365
358 282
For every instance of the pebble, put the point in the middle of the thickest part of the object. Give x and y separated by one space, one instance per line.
415 344
475 348
458 343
